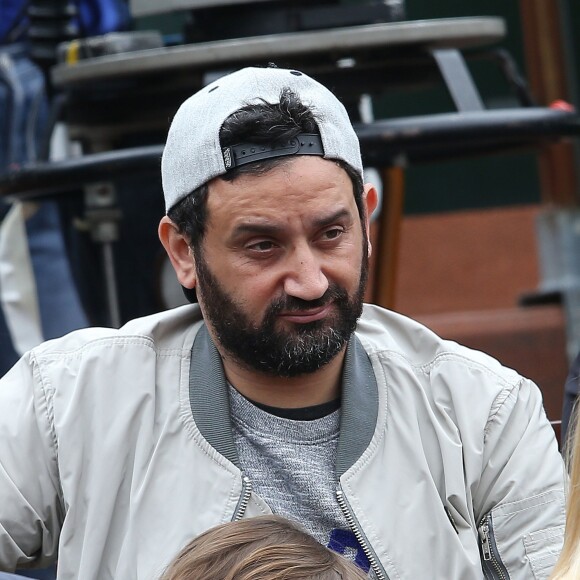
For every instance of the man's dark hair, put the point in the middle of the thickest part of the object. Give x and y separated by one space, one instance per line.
258 123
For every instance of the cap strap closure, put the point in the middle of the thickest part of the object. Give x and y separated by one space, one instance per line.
302 144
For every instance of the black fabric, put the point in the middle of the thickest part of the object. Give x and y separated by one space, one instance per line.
302 413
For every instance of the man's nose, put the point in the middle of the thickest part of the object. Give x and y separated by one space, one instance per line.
305 278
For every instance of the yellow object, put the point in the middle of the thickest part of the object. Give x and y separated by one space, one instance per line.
72 53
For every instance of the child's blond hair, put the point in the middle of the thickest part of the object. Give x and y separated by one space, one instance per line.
260 548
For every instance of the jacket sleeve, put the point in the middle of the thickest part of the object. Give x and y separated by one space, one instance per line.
520 499
30 504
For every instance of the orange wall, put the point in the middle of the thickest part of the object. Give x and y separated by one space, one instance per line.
466 260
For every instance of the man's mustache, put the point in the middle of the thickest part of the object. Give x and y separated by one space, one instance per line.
334 293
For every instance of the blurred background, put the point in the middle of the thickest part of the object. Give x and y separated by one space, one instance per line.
467 118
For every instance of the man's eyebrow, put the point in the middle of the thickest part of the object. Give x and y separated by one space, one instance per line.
338 215
256 229
272 229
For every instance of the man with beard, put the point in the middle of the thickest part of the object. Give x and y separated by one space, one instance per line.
278 392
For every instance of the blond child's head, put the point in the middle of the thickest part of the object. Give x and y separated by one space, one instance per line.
261 548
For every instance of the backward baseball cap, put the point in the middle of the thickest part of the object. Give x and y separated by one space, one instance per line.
193 154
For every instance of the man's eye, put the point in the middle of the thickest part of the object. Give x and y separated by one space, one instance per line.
262 246
333 233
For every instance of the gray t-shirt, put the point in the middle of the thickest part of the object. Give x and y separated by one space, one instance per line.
291 465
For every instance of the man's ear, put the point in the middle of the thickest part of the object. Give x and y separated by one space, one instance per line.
179 252
371 200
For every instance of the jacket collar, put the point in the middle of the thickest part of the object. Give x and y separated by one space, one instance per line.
209 400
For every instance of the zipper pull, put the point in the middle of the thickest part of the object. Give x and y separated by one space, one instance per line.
485 545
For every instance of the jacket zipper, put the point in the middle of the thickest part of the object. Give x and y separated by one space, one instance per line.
244 499
493 567
359 535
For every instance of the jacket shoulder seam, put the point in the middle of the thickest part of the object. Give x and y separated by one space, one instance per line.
499 403
46 391
108 340
450 356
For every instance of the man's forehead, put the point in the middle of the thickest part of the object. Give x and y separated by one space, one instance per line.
320 187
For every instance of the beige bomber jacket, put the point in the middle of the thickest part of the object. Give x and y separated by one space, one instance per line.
116 449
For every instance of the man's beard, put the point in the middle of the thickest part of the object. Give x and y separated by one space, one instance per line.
302 349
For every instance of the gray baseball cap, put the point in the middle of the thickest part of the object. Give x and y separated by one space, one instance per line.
193 154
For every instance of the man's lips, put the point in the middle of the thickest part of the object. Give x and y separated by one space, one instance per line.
306 315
